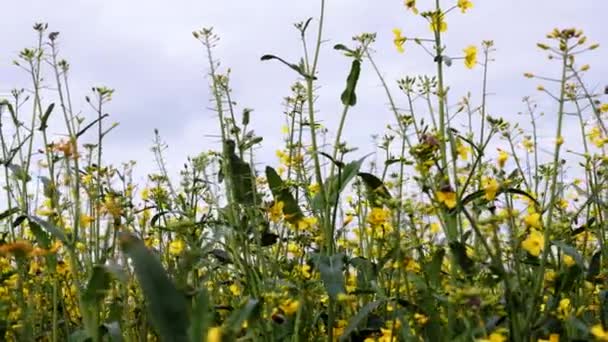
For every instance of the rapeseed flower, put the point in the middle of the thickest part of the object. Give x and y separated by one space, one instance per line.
399 40
534 243
438 23
411 5
464 5
470 56
502 158
491 189
448 198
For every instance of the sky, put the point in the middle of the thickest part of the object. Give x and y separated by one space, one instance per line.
146 52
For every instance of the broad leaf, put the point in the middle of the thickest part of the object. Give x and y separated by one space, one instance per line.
167 306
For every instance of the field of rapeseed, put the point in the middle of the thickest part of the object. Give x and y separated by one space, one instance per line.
462 227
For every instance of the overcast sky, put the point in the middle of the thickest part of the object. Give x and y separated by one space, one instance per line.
145 51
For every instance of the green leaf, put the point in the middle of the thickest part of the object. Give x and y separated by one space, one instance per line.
377 192
433 268
365 272
295 67
55 231
202 314
41 237
166 305
356 321
477 194
571 251
348 97
604 307
240 175
594 267
249 312
45 117
335 184
281 193
112 331
79 336
9 212
332 273
460 254
19 173
98 286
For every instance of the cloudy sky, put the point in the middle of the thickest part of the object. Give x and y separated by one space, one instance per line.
145 51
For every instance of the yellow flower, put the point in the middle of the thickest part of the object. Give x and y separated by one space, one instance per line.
569 261
552 338
399 40
306 223
176 247
85 220
420 319
463 150
314 188
596 137
534 243
470 56
235 289
599 332
533 220
603 108
446 197
214 334
290 306
494 337
491 189
438 22
145 194
502 158
564 308
464 5
435 227
378 216
411 5
276 211
528 144
559 141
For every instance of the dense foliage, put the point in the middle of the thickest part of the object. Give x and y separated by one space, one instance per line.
462 227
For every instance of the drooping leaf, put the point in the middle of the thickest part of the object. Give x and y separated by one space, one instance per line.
335 184
41 237
55 231
349 97
366 272
202 314
356 321
594 267
9 212
604 307
249 312
571 251
478 194
45 117
221 256
98 286
298 68
331 269
19 173
377 192
240 175
111 331
166 305
433 268
281 193
460 254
